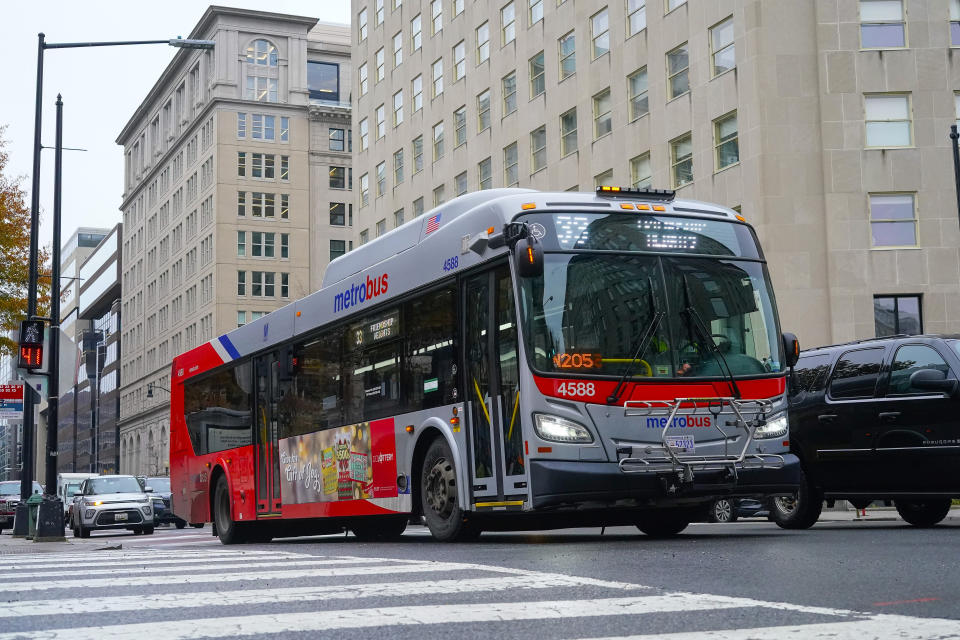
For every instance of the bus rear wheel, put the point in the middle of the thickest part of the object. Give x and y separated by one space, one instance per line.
664 523
439 498
227 530
380 528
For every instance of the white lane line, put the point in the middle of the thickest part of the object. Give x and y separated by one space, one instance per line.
235 626
880 626
294 594
151 561
286 574
145 565
35 561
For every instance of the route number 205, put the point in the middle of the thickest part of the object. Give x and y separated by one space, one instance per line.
577 389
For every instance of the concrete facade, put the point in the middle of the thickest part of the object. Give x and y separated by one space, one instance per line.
765 101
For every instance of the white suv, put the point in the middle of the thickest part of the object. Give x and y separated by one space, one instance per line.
111 502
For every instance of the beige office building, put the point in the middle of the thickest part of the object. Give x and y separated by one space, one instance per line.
824 121
222 221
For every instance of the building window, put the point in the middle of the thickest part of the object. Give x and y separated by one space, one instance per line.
241 283
485 173
241 125
437 141
241 203
673 4
893 220
678 70
398 166
511 174
284 167
397 218
336 140
284 245
637 87
537 81
483 111
888 120
641 175
437 77
955 23
323 81
897 315
262 53
284 285
380 114
568 55
483 43
538 149
568 132
604 179
241 318
379 61
438 196
261 89
364 134
602 114
362 25
416 33
285 204
536 11
284 129
418 207
337 248
364 190
262 204
418 154
460 184
460 126
398 108
241 163
681 160
600 30
722 49
261 244
636 16
882 25
397 49
337 213
457 7
726 143
416 89
241 243
381 227
362 74
956 103
338 177
378 13
508 23
436 13
509 84
381 179
364 236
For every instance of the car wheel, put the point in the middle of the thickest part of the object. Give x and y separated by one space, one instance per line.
439 500
147 531
923 513
84 531
799 511
722 510
379 529
180 524
228 531
664 523
197 525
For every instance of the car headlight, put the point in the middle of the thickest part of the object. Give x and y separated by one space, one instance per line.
774 428
92 503
558 429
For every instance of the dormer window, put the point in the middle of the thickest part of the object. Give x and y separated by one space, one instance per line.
263 53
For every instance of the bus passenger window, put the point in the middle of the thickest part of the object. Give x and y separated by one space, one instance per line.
312 401
217 409
371 368
429 373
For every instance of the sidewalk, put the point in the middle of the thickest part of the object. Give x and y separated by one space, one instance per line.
19 546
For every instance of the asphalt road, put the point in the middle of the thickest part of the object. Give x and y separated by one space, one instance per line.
841 579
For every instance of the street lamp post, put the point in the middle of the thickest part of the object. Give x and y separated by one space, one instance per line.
26 479
956 162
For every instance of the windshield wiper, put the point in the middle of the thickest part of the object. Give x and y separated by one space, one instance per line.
698 325
645 339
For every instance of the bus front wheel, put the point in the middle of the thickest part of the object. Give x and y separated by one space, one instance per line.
227 530
439 498
664 523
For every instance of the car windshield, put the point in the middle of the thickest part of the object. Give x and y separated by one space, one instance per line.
72 488
160 485
118 484
588 311
12 488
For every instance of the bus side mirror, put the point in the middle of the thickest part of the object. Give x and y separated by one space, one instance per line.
528 257
791 349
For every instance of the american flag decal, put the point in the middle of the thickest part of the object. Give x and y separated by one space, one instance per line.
433 223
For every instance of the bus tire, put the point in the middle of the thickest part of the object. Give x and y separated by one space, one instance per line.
197 525
227 530
439 500
380 528
800 511
923 513
664 523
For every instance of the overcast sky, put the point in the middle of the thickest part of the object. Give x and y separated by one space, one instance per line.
101 88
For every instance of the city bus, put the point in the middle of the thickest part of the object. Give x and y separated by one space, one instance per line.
510 360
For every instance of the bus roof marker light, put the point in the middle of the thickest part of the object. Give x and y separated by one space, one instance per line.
528 205
643 207
659 207
626 205
740 217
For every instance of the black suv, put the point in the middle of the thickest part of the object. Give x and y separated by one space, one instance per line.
876 420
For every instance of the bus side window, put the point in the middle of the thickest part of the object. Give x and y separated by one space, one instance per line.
429 374
217 409
371 367
313 400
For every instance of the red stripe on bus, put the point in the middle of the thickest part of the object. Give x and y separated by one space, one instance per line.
334 509
597 391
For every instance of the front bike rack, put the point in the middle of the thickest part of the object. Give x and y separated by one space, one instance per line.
665 458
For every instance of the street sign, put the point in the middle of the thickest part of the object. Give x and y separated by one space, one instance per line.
11 401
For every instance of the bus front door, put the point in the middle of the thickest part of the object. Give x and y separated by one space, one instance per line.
267 459
497 460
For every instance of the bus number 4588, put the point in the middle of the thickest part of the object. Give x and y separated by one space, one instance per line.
576 389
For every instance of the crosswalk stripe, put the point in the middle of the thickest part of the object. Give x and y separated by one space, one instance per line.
294 594
390 617
285 574
98 557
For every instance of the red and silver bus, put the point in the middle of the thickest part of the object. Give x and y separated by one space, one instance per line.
512 359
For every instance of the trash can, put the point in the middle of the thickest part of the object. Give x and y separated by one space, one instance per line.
33 505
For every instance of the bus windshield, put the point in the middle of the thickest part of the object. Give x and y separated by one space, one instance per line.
589 310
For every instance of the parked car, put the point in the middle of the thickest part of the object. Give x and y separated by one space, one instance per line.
162 511
876 420
68 485
9 499
732 509
111 502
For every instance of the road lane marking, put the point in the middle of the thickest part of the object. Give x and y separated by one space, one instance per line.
38 561
327 620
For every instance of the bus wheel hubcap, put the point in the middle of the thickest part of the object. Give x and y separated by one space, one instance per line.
439 479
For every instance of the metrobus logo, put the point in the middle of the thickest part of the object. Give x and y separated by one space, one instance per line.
358 293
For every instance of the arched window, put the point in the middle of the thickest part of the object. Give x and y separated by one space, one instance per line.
136 457
263 53
152 454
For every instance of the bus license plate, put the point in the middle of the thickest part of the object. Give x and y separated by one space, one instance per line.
682 444
119 516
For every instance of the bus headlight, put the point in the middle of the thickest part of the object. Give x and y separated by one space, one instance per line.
775 428
558 429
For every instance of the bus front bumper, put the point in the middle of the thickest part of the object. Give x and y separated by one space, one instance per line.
563 482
